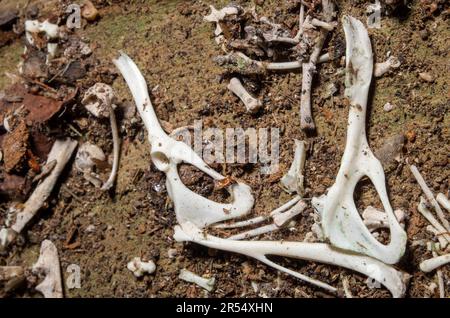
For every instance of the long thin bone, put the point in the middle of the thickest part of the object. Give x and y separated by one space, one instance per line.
279 220
435 262
422 208
442 200
61 152
341 222
309 68
10 272
316 252
430 197
251 103
167 153
260 219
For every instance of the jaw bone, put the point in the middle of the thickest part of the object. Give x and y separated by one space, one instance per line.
195 212
341 222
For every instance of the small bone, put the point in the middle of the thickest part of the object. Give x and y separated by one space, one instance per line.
51 31
48 264
442 241
430 197
98 100
324 25
11 272
422 208
61 152
375 219
293 180
88 155
346 286
442 200
218 15
251 104
435 262
382 68
190 277
140 268
340 219
280 219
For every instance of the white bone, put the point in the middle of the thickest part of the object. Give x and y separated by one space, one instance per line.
435 262
375 219
48 264
309 68
341 222
240 58
10 272
322 24
382 68
260 219
190 277
430 197
293 180
218 15
251 103
195 212
442 241
442 232
280 219
51 31
98 100
140 268
167 153
86 159
442 200
318 252
61 152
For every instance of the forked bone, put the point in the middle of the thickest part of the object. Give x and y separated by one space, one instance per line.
168 153
341 222
317 252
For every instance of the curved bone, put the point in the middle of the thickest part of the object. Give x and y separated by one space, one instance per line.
167 153
340 218
319 252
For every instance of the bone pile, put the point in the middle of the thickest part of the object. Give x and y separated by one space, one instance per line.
351 244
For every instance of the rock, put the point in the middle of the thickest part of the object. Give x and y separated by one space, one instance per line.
427 77
388 107
88 11
391 150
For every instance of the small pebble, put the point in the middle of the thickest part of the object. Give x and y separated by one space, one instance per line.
427 77
388 107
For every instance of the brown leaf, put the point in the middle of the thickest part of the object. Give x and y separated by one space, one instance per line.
13 186
40 108
14 146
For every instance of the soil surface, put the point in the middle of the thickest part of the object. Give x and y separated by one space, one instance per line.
174 48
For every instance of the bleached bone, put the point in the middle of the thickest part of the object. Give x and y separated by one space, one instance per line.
51 31
167 153
316 252
260 219
48 264
251 103
139 268
86 159
442 200
61 152
341 222
280 219
375 219
218 15
442 232
190 277
309 68
322 24
195 212
430 197
435 262
293 180
10 272
442 241
99 101
382 68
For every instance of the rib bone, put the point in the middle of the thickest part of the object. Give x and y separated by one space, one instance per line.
341 222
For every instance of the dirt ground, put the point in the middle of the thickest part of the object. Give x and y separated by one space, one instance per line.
174 48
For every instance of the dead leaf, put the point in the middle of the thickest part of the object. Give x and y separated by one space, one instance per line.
14 146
